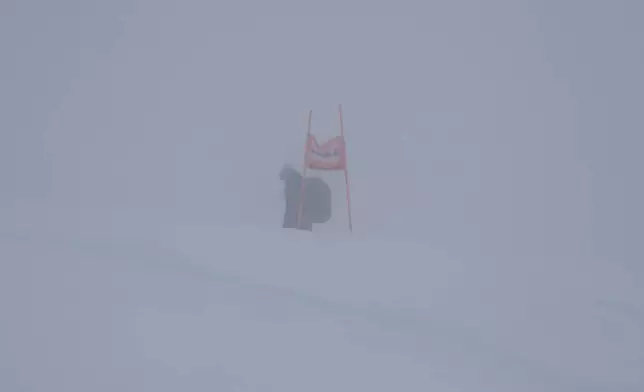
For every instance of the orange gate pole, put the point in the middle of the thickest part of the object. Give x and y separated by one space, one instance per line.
346 170
306 151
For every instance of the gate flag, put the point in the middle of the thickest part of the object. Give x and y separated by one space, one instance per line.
330 155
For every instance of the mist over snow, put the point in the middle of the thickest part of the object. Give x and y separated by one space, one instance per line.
495 168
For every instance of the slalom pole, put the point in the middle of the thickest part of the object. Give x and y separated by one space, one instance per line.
346 170
306 151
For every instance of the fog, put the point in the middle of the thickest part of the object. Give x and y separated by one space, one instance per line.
495 128
504 133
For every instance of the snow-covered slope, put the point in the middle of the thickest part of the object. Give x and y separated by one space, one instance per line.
87 305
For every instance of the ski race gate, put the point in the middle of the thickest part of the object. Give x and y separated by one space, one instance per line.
328 156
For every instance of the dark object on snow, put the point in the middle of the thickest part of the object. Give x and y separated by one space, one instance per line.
316 204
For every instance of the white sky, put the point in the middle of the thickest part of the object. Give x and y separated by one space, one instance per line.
504 127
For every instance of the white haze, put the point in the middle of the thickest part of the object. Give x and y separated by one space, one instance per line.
503 133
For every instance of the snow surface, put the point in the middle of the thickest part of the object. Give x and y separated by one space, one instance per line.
88 305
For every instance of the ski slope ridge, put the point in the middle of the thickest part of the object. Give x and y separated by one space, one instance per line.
201 308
